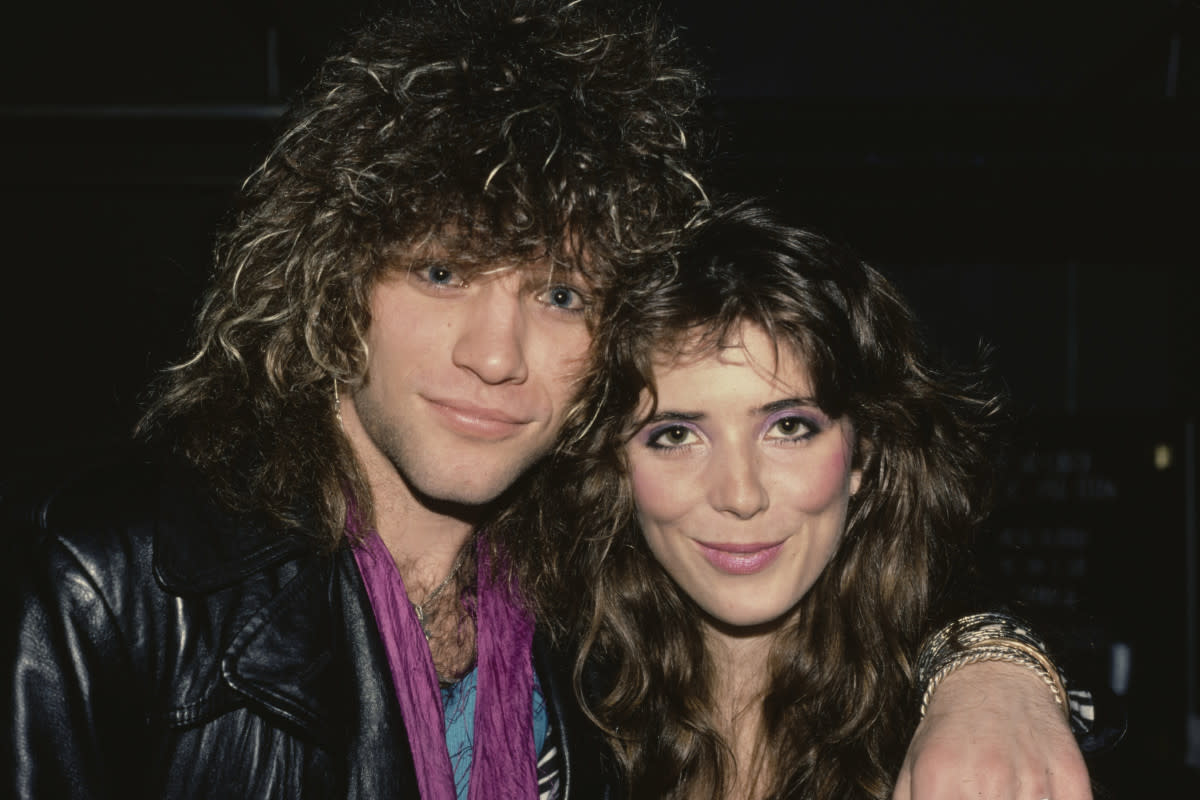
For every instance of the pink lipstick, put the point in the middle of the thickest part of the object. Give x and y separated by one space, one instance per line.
740 559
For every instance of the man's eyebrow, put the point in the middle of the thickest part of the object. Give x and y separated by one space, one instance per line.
548 276
542 268
440 256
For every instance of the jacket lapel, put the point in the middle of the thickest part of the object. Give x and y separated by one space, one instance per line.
273 588
283 658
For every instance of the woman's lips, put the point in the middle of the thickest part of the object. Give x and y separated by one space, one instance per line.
740 559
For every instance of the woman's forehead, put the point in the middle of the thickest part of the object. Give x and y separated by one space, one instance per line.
743 344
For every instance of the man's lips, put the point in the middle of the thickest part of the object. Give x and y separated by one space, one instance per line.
478 422
740 559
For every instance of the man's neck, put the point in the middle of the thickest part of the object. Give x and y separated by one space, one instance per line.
426 542
424 539
428 548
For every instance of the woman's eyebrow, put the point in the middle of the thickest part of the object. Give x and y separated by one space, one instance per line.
785 403
667 415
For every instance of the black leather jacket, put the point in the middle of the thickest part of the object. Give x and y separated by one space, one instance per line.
165 649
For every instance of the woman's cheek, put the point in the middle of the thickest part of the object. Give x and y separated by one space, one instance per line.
825 481
659 493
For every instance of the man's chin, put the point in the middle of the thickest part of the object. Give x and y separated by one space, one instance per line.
453 496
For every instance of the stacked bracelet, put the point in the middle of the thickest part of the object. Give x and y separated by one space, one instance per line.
987 637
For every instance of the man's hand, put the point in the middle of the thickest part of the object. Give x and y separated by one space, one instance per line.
993 732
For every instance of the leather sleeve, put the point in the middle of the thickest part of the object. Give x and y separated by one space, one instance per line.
73 727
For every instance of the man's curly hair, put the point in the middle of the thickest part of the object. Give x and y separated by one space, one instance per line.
507 129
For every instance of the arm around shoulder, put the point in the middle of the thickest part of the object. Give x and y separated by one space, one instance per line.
996 719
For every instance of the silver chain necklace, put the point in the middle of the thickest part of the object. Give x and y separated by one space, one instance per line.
419 608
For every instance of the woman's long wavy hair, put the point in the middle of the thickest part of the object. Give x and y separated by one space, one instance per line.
504 130
839 709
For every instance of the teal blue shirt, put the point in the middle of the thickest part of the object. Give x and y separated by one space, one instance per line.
459 704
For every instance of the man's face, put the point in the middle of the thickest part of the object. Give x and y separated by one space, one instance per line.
468 380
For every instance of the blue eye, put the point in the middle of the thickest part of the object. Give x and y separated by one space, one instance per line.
439 274
566 298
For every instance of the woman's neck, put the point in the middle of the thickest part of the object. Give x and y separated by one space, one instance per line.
741 674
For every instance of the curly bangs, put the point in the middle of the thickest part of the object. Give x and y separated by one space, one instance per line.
520 130
741 266
534 127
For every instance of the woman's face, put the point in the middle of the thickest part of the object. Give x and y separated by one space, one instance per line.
741 482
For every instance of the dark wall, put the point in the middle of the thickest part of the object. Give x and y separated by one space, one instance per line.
1026 171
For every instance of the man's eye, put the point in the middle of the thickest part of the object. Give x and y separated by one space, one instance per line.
440 274
565 297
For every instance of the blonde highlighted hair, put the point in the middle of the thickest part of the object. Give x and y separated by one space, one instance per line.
511 129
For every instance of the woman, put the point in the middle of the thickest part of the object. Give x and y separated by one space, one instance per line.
775 483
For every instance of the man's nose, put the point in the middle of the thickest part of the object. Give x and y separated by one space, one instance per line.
735 484
491 340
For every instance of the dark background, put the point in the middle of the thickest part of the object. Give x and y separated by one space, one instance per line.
1025 171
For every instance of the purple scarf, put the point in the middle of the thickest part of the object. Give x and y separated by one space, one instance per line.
503 763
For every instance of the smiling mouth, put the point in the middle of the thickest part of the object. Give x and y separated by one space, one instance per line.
740 559
477 422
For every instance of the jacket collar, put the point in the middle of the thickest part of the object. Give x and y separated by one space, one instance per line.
309 656
268 589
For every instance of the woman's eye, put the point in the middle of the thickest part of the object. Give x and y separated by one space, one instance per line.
565 298
670 436
794 428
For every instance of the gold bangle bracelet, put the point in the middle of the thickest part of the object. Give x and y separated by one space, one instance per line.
987 637
999 652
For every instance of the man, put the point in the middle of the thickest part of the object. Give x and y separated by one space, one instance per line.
296 601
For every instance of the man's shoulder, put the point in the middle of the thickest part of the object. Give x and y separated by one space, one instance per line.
91 510
140 508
